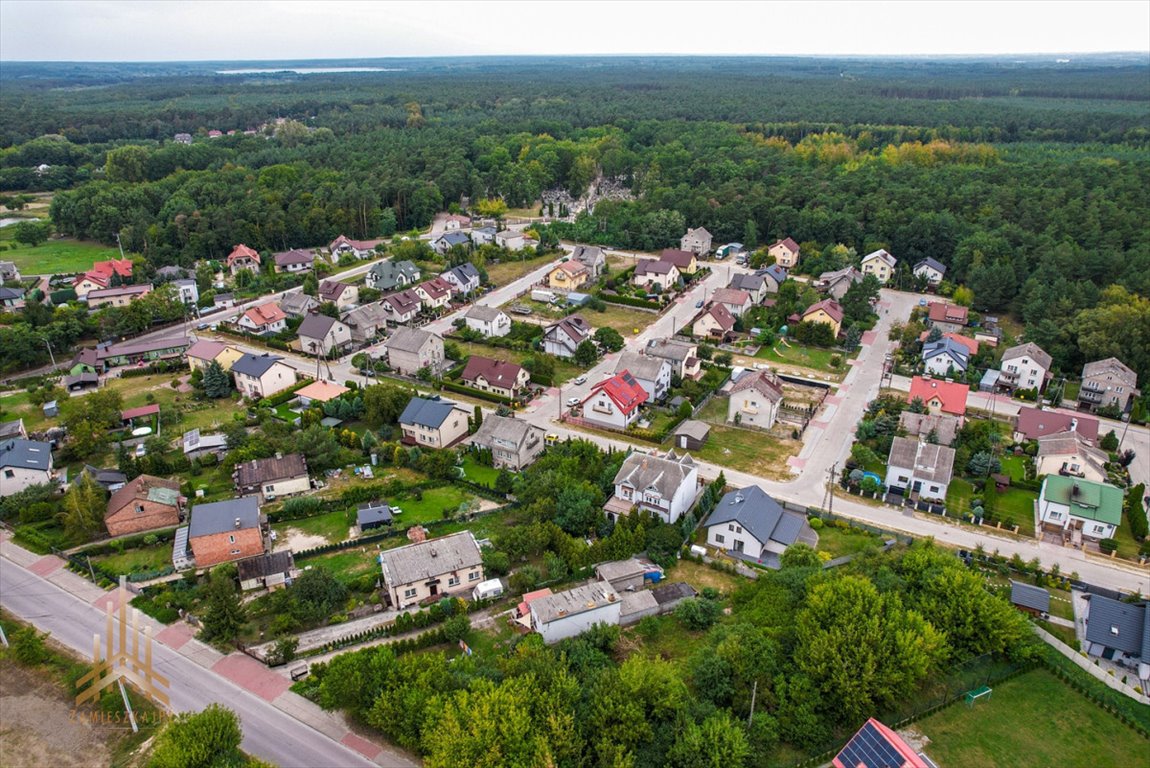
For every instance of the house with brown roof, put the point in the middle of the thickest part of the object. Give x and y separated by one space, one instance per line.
496 376
320 392
950 318
340 294
1108 382
144 504
827 311
1033 423
361 249
119 296
243 257
264 319
785 252
273 478
434 293
660 274
297 260
203 352
564 337
737 302
754 400
714 322
687 262
403 306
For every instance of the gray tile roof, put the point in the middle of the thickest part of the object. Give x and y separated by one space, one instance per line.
260 471
746 282
694 429
221 516
1031 350
316 326
431 558
1117 625
255 365
1029 596
664 474
933 463
408 339
640 366
775 272
427 413
26 454
297 303
505 431
671 349
759 514
465 273
455 238
932 263
957 352
1112 366
945 426
483 314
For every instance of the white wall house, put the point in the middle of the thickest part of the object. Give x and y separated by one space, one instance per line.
24 463
749 523
1079 509
697 241
567 614
921 470
490 321
652 373
662 485
1025 366
755 399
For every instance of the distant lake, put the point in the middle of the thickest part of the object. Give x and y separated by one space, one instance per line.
304 70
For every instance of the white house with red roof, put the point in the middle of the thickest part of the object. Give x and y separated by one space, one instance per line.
102 275
361 249
243 257
434 293
614 402
264 319
496 376
716 321
939 395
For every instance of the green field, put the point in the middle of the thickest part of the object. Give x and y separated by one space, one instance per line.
65 255
332 526
138 560
509 271
429 507
814 358
1014 467
1031 721
746 450
479 473
846 541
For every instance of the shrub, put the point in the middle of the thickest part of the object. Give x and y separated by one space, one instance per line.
696 613
1108 545
816 523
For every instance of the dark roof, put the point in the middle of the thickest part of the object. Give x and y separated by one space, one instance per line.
221 516
465 272
876 746
259 471
27 454
669 593
454 238
1029 596
1117 625
427 413
262 566
145 487
316 326
761 515
681 259
1034 423
775 272
499 373
373 512
255 365
297 256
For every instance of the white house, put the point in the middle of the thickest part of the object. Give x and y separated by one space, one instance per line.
652 373
880 264
187 291
403 306
564 337
665 486
755 399
449 240
945 357
260 376
567 614
1070 454
510 239
514 443
736 301
264 319
434 293
448 565
490 321
650 273
361 249
682 355
697 241
24 463
323 335
930 270
922 470
1025 366
483 235
1079 509
464 278
750 524
614 402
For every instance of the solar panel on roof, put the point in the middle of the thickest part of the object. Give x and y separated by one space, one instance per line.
870 749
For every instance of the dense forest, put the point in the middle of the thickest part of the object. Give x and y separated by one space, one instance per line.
1029 180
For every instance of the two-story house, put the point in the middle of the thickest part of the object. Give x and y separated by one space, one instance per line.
687 262
144 504
568 276
714 322
614 402
489 321
297 260
103 274
483 235
665 486
945 357
510 239
24 463
298 304
751 283
948 318
682 355
402 307
187 292
697 241
411 349
323 335
750 525
828 311
652 274
785 252
448 240
1108 382
449 565
592 257
263 319
433 423
260 376
773 277
931 270
940 396
243 258
366 322
1070 454
464 278
653 373
754 401
225 531
737 302
273 478
1025 366
342 295
434 293
498 377
389 275
921 470
836 283
564 337
1079 509
514 443
880 264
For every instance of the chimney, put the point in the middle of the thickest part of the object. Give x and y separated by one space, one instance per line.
1074 425
237 522
434 552
279 455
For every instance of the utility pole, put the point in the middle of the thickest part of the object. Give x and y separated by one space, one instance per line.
829 496
53 356
754 690
118 245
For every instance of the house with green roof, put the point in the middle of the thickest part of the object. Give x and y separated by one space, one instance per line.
1079 509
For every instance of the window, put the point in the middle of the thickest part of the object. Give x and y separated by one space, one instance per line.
139 508
730 526
410 592
1114 631
473 576
1055 515
231 539
235 551
738 529
453 581
1099 528
269 489
719 538
9 473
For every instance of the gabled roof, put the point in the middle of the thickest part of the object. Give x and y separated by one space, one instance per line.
573 326
359 245
697 430
763 382
945 427
262 566
625 392
409 339
950 394
7 293
453 239
1118 625
681 259
484 314
241 251
775 272
830 306
1069 444
255 365
403 302
316 326
206 349
590 255
26 454
298 303
940 312
882 254
143 410
653 267
499 373
698 232
1034 423
145 488
436 287
970 344
758 513
746 281
1113 367
265 314
732 296
722 316
786 242
957 352
221 517
331 290
260 471
366 314
671 349
426 412
431 558
387 271
1031 350
828 279
934 264
505 431
1085 498
876 746
463 274
296 256
641 366
934 463
1029 596
663 474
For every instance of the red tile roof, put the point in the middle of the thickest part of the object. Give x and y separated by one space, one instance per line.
951 395
265 314
241 251
947 313
876 746
1034 423
624 391
787 242
681 259
830 306
102 271
499 373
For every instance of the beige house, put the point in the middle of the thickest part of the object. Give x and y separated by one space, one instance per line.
410 349
203 352
568 276
697 241
650 273
120 296
1069 454
260 376
449 565
828 312
880 264
322 335
273 478
716 321
755 399
433 423
785 253
514 443
1107 382
340 294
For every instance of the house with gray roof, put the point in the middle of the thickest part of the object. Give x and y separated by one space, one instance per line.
564 337
464 279
371 515
273 478
1069 453
753 284
224 531
410 349
323 335
749 524
592 257
920 470
567 614
24 463
366 322
945 357
490 321
921 425
773 277
930 270
683 356
665 486
389 275
449 565
433 423
268 571
1108 382
652 373
514 443
1120 632
259 376
449 240
298 304
1025 366
13 428
1029 598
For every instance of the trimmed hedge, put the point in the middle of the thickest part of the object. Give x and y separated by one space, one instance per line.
479 394
172 366
128 542
279 398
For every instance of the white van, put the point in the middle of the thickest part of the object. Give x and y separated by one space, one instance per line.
487 589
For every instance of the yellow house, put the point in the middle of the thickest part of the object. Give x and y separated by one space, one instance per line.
826 311
880 264
685 261
785 253
568 276
205 351
228 357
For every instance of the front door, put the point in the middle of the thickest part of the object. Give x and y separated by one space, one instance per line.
738 545
434 589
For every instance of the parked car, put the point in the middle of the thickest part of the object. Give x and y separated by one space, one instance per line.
699 304
580 379
141 451
573 401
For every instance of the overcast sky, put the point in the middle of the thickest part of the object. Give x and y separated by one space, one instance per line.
145 30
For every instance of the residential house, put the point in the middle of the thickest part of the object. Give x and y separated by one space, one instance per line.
1033 423
1069 454
1106 383
592 257
682 355
697 241
11 298
752 283
264 319
24 463
1120 631
628 575
448 240
837 283
749 524
271 571
9 272
498 377
785 252
298 260
367 322
665 486
319 392
930 270
945 357
971 345
715 322
828 311
773 277
323 335
243 257
80 382
489 321
1079 509
454 222
514 443
921 470
1024 366
260 376
947 317
144 504
876 746
187 291
361 249
737 302
652 274
273 478
298 304
614 402
940 396
223 301
449 565
755 399
880 264
690 435
402 307
120 296
103 274
373 515
340 294
464 278
197 445
434 293
108 479
483 235
652 373
203 352
140 416
433 423
133 352
564 337
410 349
389 274
686 262
568 276
942 427
510 239
225 531
568 614
172 273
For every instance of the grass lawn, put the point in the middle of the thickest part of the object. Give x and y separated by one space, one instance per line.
747 451
814 358
479 473
509 271
346 564
958 496
430 506
661 637
65 255
1017 505
1025 723
1127 545
18 407
333 526
846 541
1014 466
700 576
1070 393
138 560
623 319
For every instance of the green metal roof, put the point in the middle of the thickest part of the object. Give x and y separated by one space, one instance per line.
1086 499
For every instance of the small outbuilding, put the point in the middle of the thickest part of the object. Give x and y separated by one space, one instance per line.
691 434
628 575
272 570
372 515
1028 598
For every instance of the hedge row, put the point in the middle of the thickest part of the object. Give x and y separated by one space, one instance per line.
128 542
270 342
173 366
279 398
629 301
479 394
407 622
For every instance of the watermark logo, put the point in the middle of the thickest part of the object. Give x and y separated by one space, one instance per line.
118 663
